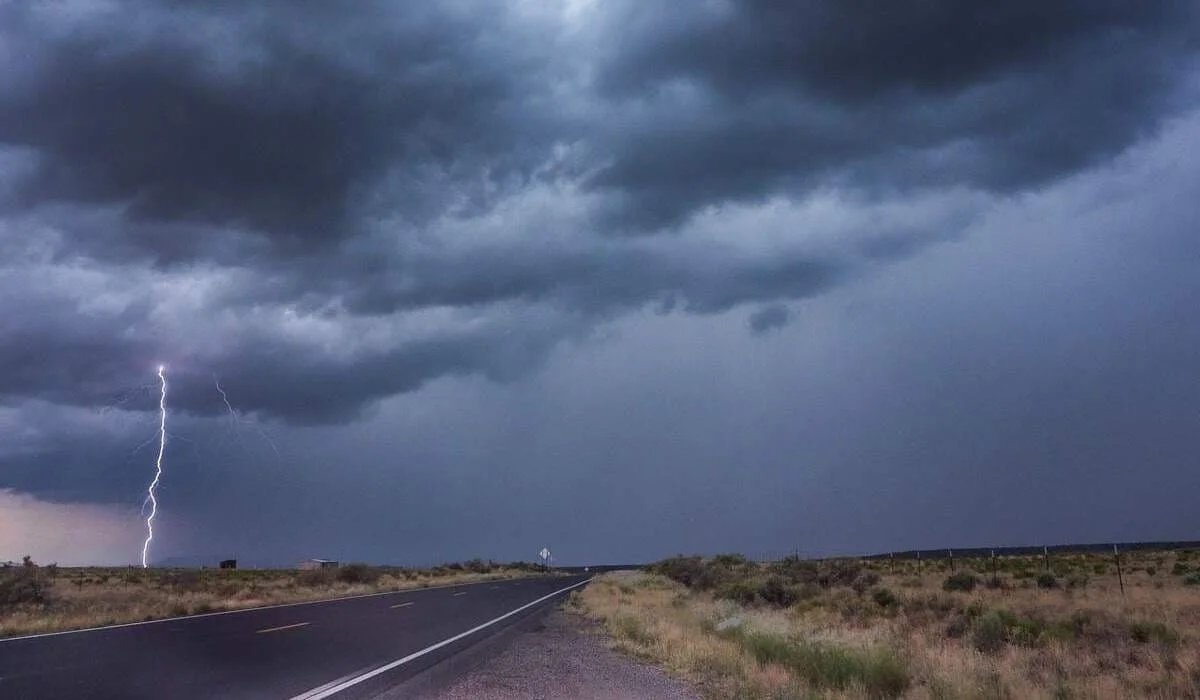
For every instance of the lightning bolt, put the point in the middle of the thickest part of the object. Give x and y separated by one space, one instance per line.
225 397
162 447
236 420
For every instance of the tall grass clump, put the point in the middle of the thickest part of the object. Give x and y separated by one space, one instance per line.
881 672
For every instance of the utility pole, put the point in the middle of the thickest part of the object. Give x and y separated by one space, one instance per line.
1120 577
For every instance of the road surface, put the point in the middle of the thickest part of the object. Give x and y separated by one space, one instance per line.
347 648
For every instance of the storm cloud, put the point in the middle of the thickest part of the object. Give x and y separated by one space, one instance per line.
333 208
743 99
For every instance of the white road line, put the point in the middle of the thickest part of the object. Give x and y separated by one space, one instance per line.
319 694
183 618
401 605
284 627
317 691
458 594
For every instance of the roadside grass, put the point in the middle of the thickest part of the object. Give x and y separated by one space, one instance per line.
878 629
38 599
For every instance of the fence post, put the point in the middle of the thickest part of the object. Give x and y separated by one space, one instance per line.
892 562
952 567
995 574
1120 577
918 562
1046 557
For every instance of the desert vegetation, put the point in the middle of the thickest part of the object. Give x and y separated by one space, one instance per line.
35 599
1011 627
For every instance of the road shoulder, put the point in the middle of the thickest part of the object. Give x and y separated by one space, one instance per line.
561 656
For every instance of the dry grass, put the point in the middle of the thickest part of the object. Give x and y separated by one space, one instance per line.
846 640
92 597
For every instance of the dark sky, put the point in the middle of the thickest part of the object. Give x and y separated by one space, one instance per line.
623 278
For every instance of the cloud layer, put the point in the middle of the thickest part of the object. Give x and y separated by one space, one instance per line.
327 208
354 203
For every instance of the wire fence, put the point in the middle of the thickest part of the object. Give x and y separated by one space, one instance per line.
951 554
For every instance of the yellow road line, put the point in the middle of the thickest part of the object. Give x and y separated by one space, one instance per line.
285 627
401 605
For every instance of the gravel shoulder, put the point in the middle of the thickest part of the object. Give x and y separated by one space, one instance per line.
563 657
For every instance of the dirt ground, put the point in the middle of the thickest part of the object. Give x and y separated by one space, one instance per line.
562 659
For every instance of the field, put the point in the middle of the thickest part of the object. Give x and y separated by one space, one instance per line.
36 599
880 629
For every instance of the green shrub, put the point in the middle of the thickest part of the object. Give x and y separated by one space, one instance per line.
795 569
884 597
1077 581
1192 579
359 573
999 627
1143 632
705 575
776 591
23 585
478 566
1047 580
1180 569
731 561
685 570
990 633
724 568
1151 570
962 581
839 572
938 603
1026 632
742 592
317 577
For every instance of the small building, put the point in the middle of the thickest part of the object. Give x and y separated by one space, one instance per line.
310 564
229 563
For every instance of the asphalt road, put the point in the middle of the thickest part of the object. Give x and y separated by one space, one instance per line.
348 648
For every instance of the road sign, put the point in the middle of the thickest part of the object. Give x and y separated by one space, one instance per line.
544 554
